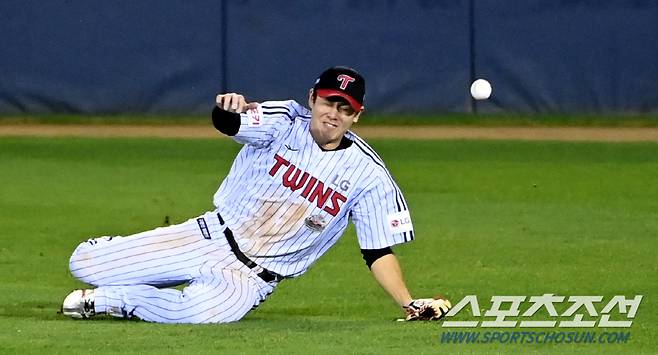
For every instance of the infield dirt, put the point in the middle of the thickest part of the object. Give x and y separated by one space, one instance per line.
602 134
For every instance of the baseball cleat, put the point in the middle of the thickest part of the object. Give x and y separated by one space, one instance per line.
79 304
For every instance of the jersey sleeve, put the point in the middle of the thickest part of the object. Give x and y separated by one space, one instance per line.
381 216
261 126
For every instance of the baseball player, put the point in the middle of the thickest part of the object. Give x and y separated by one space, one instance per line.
300 177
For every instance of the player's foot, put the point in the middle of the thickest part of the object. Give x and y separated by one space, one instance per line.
79 304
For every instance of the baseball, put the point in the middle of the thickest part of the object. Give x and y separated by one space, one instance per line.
480 89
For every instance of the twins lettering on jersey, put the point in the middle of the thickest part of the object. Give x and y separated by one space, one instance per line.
310 187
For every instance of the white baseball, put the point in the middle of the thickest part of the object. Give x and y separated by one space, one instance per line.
481 89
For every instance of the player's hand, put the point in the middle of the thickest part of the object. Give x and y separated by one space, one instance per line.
233 102
427 309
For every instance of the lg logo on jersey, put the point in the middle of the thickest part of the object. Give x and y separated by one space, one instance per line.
311 188
343 184
397 222
400 222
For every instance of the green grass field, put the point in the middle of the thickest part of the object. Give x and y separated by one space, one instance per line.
491 218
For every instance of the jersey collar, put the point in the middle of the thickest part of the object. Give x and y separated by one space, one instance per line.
344 144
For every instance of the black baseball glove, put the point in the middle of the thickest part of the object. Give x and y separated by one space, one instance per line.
427 309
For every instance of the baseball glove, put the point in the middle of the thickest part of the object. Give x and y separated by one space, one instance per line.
427 309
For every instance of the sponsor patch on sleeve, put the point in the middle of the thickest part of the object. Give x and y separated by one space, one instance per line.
400 222
255 116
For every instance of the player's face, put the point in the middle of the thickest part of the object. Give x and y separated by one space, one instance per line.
331 118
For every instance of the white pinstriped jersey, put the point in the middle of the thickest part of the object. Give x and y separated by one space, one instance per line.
288 201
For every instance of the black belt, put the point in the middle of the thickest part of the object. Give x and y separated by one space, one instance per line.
266 275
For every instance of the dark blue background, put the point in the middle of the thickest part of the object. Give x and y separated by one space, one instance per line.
417 56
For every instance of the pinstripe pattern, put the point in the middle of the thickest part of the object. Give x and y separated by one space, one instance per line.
224 292
268 218
131 271
287 202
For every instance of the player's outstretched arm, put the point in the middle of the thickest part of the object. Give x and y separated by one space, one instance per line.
388 274
386 270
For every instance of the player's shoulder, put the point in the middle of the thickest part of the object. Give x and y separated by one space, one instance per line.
289 108
367 154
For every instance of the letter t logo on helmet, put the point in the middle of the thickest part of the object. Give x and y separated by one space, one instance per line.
344 80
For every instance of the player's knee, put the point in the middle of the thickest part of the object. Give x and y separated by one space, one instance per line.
82 262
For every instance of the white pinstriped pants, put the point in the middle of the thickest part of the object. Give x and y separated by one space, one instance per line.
130 274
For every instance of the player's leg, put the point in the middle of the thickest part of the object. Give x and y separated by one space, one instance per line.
160 257
225 292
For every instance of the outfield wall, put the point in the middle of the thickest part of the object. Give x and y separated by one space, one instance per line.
418 56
